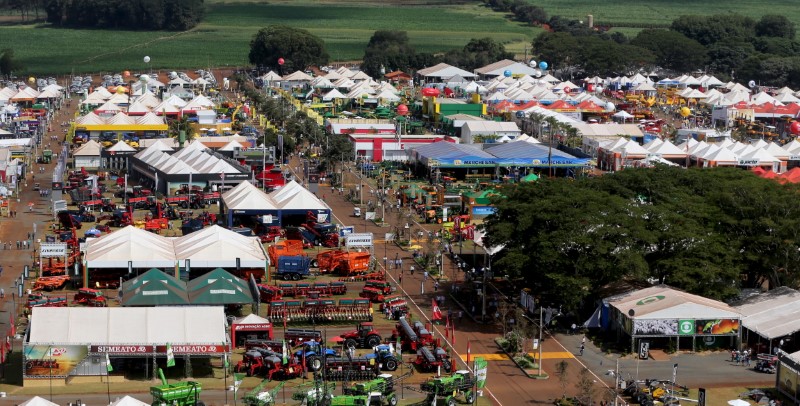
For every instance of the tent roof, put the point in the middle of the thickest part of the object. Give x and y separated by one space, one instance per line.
154 288
90 148
212 276
38 401
608 129
293 196
444 71
129 401
114 325
664 302
251 319
121 146
772 314
217 246
219 292
246 196
526 150
298 76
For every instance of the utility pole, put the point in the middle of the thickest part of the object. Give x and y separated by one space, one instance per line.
541 327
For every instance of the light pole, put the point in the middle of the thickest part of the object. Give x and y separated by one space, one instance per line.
483 287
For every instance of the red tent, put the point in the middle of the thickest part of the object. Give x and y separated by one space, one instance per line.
792 176
560 105
250 326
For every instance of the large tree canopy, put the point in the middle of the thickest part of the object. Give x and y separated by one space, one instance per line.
298 48
709 231
177 15
672 49
389 50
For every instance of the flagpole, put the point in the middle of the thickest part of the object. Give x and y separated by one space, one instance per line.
108 378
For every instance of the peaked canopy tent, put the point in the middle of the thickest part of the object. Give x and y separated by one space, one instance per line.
140 335
248 327
529 155
247 204
154 288
659 314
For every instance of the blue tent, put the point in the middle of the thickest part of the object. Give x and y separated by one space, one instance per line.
522 153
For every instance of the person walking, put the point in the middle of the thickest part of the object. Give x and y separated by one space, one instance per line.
583 346
436 286
425 276
411 269
2 293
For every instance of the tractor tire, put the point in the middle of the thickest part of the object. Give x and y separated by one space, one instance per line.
372 341
350 343
287 276
314 263
392 400
314 363
390 364
450 401
469 397
184 205
448 367
295 276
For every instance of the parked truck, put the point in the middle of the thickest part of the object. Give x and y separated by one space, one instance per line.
292 267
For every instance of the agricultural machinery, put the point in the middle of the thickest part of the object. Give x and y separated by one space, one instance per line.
298 336
269 234
349 368
41 300
384 355
284 248
259 396
312 353
379 391
50 283
397 305
269 293
315 393
449 387
431 360
319 288
272 345
384 286
292 267
364 336
325 310
412 337
344 263
90 297
261 361
178 394
374 295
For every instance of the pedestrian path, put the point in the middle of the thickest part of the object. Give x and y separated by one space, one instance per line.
504 357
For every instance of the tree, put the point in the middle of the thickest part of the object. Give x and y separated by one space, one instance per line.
557 48
338 148
562 367
7 62
389 50
298 48
530 14
775 25
585 387
728 56
711 29
672 49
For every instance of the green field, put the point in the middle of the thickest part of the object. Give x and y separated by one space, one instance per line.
223 37
222 40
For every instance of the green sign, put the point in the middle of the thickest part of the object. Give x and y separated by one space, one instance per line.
650 299
685 327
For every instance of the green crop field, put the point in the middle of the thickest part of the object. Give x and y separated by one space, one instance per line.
222 39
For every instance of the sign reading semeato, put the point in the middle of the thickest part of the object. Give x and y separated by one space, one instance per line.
159 349
358 240
52 249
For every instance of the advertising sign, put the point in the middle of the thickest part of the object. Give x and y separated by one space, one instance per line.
655 327
122 349
356 240
44 361
483 210
717 327
787 380
53 249
686 327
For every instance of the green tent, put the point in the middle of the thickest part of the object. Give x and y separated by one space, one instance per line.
220 292
211 276
154 288
530 178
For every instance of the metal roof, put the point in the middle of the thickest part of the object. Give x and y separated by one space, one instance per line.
772 314
665 302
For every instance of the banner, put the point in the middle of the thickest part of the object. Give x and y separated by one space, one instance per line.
717 327
170 356
52 360
437 313
480 371
53 249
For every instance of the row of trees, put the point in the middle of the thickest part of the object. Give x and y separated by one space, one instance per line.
727 45
707 231
522 10
173 15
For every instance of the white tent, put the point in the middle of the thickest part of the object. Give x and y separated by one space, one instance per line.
38 401
246 196
128 401
763 97
293 196
298 76
121 146
217 246
146 249
333 94
270 77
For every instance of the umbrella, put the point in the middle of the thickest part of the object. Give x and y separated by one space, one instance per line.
738 402
93 231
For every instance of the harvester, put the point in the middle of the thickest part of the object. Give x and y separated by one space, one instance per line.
177 394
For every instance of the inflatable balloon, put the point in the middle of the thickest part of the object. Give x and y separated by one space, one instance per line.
121 90
567 90
507 73
126 74
543 65
610 106
144 78
146 59
430 91
402 110
281 61
685 112
31 79
795 128
590 87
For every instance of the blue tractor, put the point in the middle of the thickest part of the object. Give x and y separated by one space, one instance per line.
312 351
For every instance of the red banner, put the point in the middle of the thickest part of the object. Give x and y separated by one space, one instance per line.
437 314
160 349
192 349
122 349
252 327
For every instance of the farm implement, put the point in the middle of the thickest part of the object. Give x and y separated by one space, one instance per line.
50 283
412 336
296 311
185 393
90 297
267 363
41 300
318 288
456 388
260 396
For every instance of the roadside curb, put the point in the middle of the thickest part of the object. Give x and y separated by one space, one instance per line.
525 371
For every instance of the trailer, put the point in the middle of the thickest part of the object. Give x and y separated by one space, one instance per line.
456 388
345 263
292 267
412 336
185 393
90 297
260 396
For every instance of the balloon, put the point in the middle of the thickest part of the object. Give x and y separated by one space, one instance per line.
795 128
567 90
507 73
402 110
31 79
121 90
610 106
685 112
590 87
146 59
127 73
543 65
281 61
144 78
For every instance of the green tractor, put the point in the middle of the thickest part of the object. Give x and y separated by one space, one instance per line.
449 387
379 391
261 397
176 394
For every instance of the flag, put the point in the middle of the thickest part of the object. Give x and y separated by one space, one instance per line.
447 327
468 352
399 349
13 331
225 362
170 356
480 371
453 333
437 314
284 319
109 368
285 353
3 355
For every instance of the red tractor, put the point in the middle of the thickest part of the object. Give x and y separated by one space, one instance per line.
90 297
365 336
